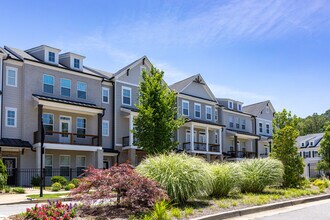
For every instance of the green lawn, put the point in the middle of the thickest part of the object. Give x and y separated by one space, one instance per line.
47 196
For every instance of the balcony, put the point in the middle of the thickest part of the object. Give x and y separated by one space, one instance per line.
57 137
201 146
242 154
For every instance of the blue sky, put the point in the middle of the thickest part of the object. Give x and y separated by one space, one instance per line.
246 50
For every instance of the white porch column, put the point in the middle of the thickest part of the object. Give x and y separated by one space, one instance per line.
207 138
192 136
220 140
131 126
99 158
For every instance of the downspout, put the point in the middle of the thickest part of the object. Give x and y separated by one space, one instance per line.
113 116
2 79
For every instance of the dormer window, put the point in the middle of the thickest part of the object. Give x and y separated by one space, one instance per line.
51 57
230 105
303 144
311 143
239 107
76 63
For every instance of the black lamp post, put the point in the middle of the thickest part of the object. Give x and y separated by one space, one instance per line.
42 151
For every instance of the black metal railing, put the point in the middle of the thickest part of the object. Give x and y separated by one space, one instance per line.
201 146
242 154
68 138
31 177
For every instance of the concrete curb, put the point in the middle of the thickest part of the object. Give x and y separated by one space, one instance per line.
37 201
250 210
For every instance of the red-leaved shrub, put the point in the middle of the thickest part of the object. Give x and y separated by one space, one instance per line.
120 184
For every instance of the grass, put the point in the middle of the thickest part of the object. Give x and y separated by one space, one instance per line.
47 196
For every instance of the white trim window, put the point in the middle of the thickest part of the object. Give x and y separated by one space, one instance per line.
231 121
11 117
267 128
237 123
260 127
126 95
105 95
197 110
48 165
216 115
48 84
185 108
243 124
51 57
81 127
64 165
48 122
208 110
80 164
239 107
65 87
76 63
230 104
11 76
311 144
82 90
105 128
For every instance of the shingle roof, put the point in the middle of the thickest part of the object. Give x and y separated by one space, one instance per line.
243 132
178 86
255 109
127 66
65 101
12 142
316 138
101 72
204 122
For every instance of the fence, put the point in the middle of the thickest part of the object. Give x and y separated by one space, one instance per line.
31 177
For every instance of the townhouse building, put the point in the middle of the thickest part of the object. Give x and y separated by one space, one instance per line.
263 112
309 146
88 115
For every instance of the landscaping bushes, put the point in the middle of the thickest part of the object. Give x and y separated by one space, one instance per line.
181 175
59 179
3 175
56 187
256 174
122 182
224 178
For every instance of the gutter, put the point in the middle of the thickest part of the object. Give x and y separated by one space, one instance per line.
2 77
113 116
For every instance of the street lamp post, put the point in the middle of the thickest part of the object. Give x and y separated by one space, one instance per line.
42 151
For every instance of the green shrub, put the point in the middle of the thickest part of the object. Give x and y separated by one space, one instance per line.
3 175
175 212
224 178
256 174
56 187
35 181
59 179
7 189
69 187
75 182
182 176
19 190
160 211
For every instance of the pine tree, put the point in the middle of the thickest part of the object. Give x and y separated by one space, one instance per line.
157 119
324 164
285 149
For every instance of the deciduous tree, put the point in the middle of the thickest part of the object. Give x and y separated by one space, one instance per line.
324 164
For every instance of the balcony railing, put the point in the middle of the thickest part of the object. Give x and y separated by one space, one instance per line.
68 138
125 141
242 154
201 146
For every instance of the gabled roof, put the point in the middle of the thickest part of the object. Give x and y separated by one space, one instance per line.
255 109
315 138
117 74
181 85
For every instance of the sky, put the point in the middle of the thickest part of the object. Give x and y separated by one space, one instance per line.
249 51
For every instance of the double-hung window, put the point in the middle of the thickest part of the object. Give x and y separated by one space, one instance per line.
11 77
105 128
267 128
237 123
48 165
105 95
64 165
230 105
80 164
126 95
76 63
82 90
65 87
231 121
185 108
48 84
243 124
81 127
197 108
48 122
216 115
239 107
260 127
208 112
11 117
51 57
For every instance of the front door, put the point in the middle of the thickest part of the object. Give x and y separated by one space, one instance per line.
10 164
65 128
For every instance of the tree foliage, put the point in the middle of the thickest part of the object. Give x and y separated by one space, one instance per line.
324 152
285 149
314 123
3 175
122 182
156 121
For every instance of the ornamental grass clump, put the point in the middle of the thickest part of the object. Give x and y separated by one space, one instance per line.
224 178
256 174
181 175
